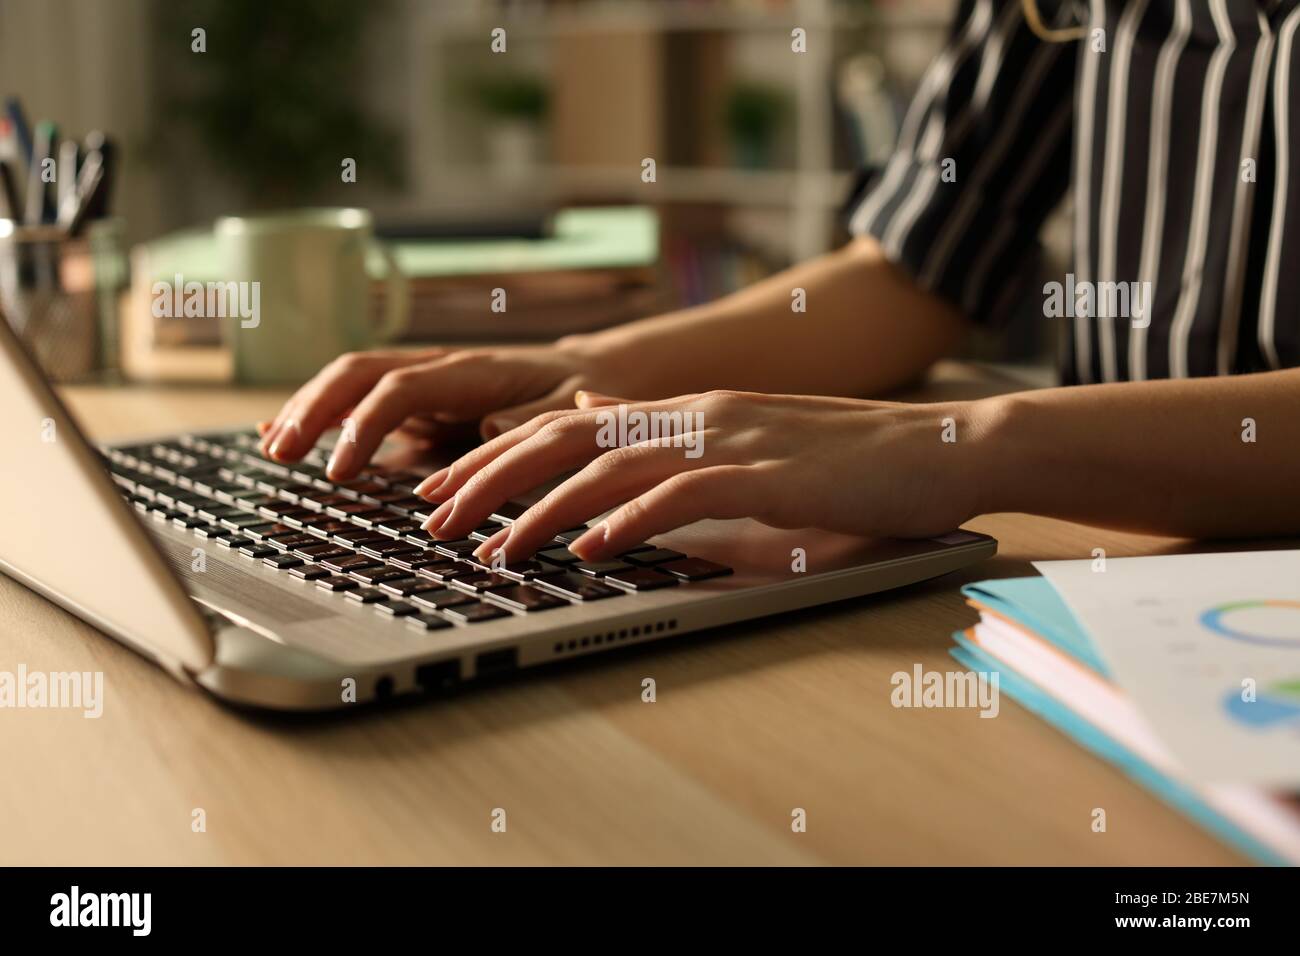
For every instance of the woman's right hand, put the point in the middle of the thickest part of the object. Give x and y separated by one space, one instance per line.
427 392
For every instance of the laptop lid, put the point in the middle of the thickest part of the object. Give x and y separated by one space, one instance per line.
66 532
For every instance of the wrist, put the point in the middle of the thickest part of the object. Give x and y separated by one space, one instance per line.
1000 463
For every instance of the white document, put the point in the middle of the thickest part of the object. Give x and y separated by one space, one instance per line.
1208 647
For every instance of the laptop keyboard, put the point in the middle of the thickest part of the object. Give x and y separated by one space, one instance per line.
361 539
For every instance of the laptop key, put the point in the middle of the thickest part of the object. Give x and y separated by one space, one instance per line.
395 608
337 583
257 550
694 569
348 564
445 570
289 542
600 569
321 551
234 543
655 556
523 598
572 534
529 570
507 512
428 622
377 575
367 595
213 531
439 600
561 556
405 587
580 587
461 548
414 561
309 572
283 561
475 612
483 582
642 579
387 548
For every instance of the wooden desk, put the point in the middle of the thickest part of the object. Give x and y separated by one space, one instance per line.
751 722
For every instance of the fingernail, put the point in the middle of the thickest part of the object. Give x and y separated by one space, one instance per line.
439 516
426 488
284 439
493 546
597 537
340 460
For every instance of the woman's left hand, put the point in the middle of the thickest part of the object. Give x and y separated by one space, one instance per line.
858 467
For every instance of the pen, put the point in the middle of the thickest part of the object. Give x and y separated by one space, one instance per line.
14 110
42 149
67 182
8 193
90 182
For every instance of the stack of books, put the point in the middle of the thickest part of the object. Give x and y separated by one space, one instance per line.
1046 662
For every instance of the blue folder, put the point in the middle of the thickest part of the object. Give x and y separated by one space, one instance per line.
1033 603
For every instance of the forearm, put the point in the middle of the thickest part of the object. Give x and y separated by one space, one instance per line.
866 328
1165 457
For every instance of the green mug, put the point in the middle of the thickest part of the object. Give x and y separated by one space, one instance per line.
304 291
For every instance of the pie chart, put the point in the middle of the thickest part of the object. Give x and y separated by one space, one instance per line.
1271 622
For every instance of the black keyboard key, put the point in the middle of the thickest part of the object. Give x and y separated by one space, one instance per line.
388 548
337 583
351 508
580 587
257 550
397 526
654 556
321 551
572 534
600 569
289 542
188 521
483 581
395 608
475 612
529 570
309 572
523 598
283 561
377 575
642 579
507 512
560 556
446 570
358 536
348 564
694 569
367 595
428 622
484 532
443 598
234 543
213 531
368 519
405 587
414 561
420 538
461 548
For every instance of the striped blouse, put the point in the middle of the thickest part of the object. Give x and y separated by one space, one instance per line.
1171 119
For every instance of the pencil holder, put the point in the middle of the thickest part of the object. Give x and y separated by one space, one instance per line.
60 294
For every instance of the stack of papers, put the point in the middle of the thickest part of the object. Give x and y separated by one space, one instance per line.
1184 671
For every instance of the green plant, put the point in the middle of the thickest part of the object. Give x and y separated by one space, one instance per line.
755 111
276 97
515 96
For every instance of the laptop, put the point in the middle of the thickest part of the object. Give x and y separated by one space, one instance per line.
272 587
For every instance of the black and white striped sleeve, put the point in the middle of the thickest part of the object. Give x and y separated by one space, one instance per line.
982 158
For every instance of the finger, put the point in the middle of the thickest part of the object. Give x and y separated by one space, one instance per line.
617 476
721 491
561 445
445 482
585 398
507 418
398 395
320 403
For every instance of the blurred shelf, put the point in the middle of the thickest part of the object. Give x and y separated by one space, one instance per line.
626 16
739 187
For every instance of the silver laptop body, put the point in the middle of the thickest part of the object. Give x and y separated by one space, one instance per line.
256 635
